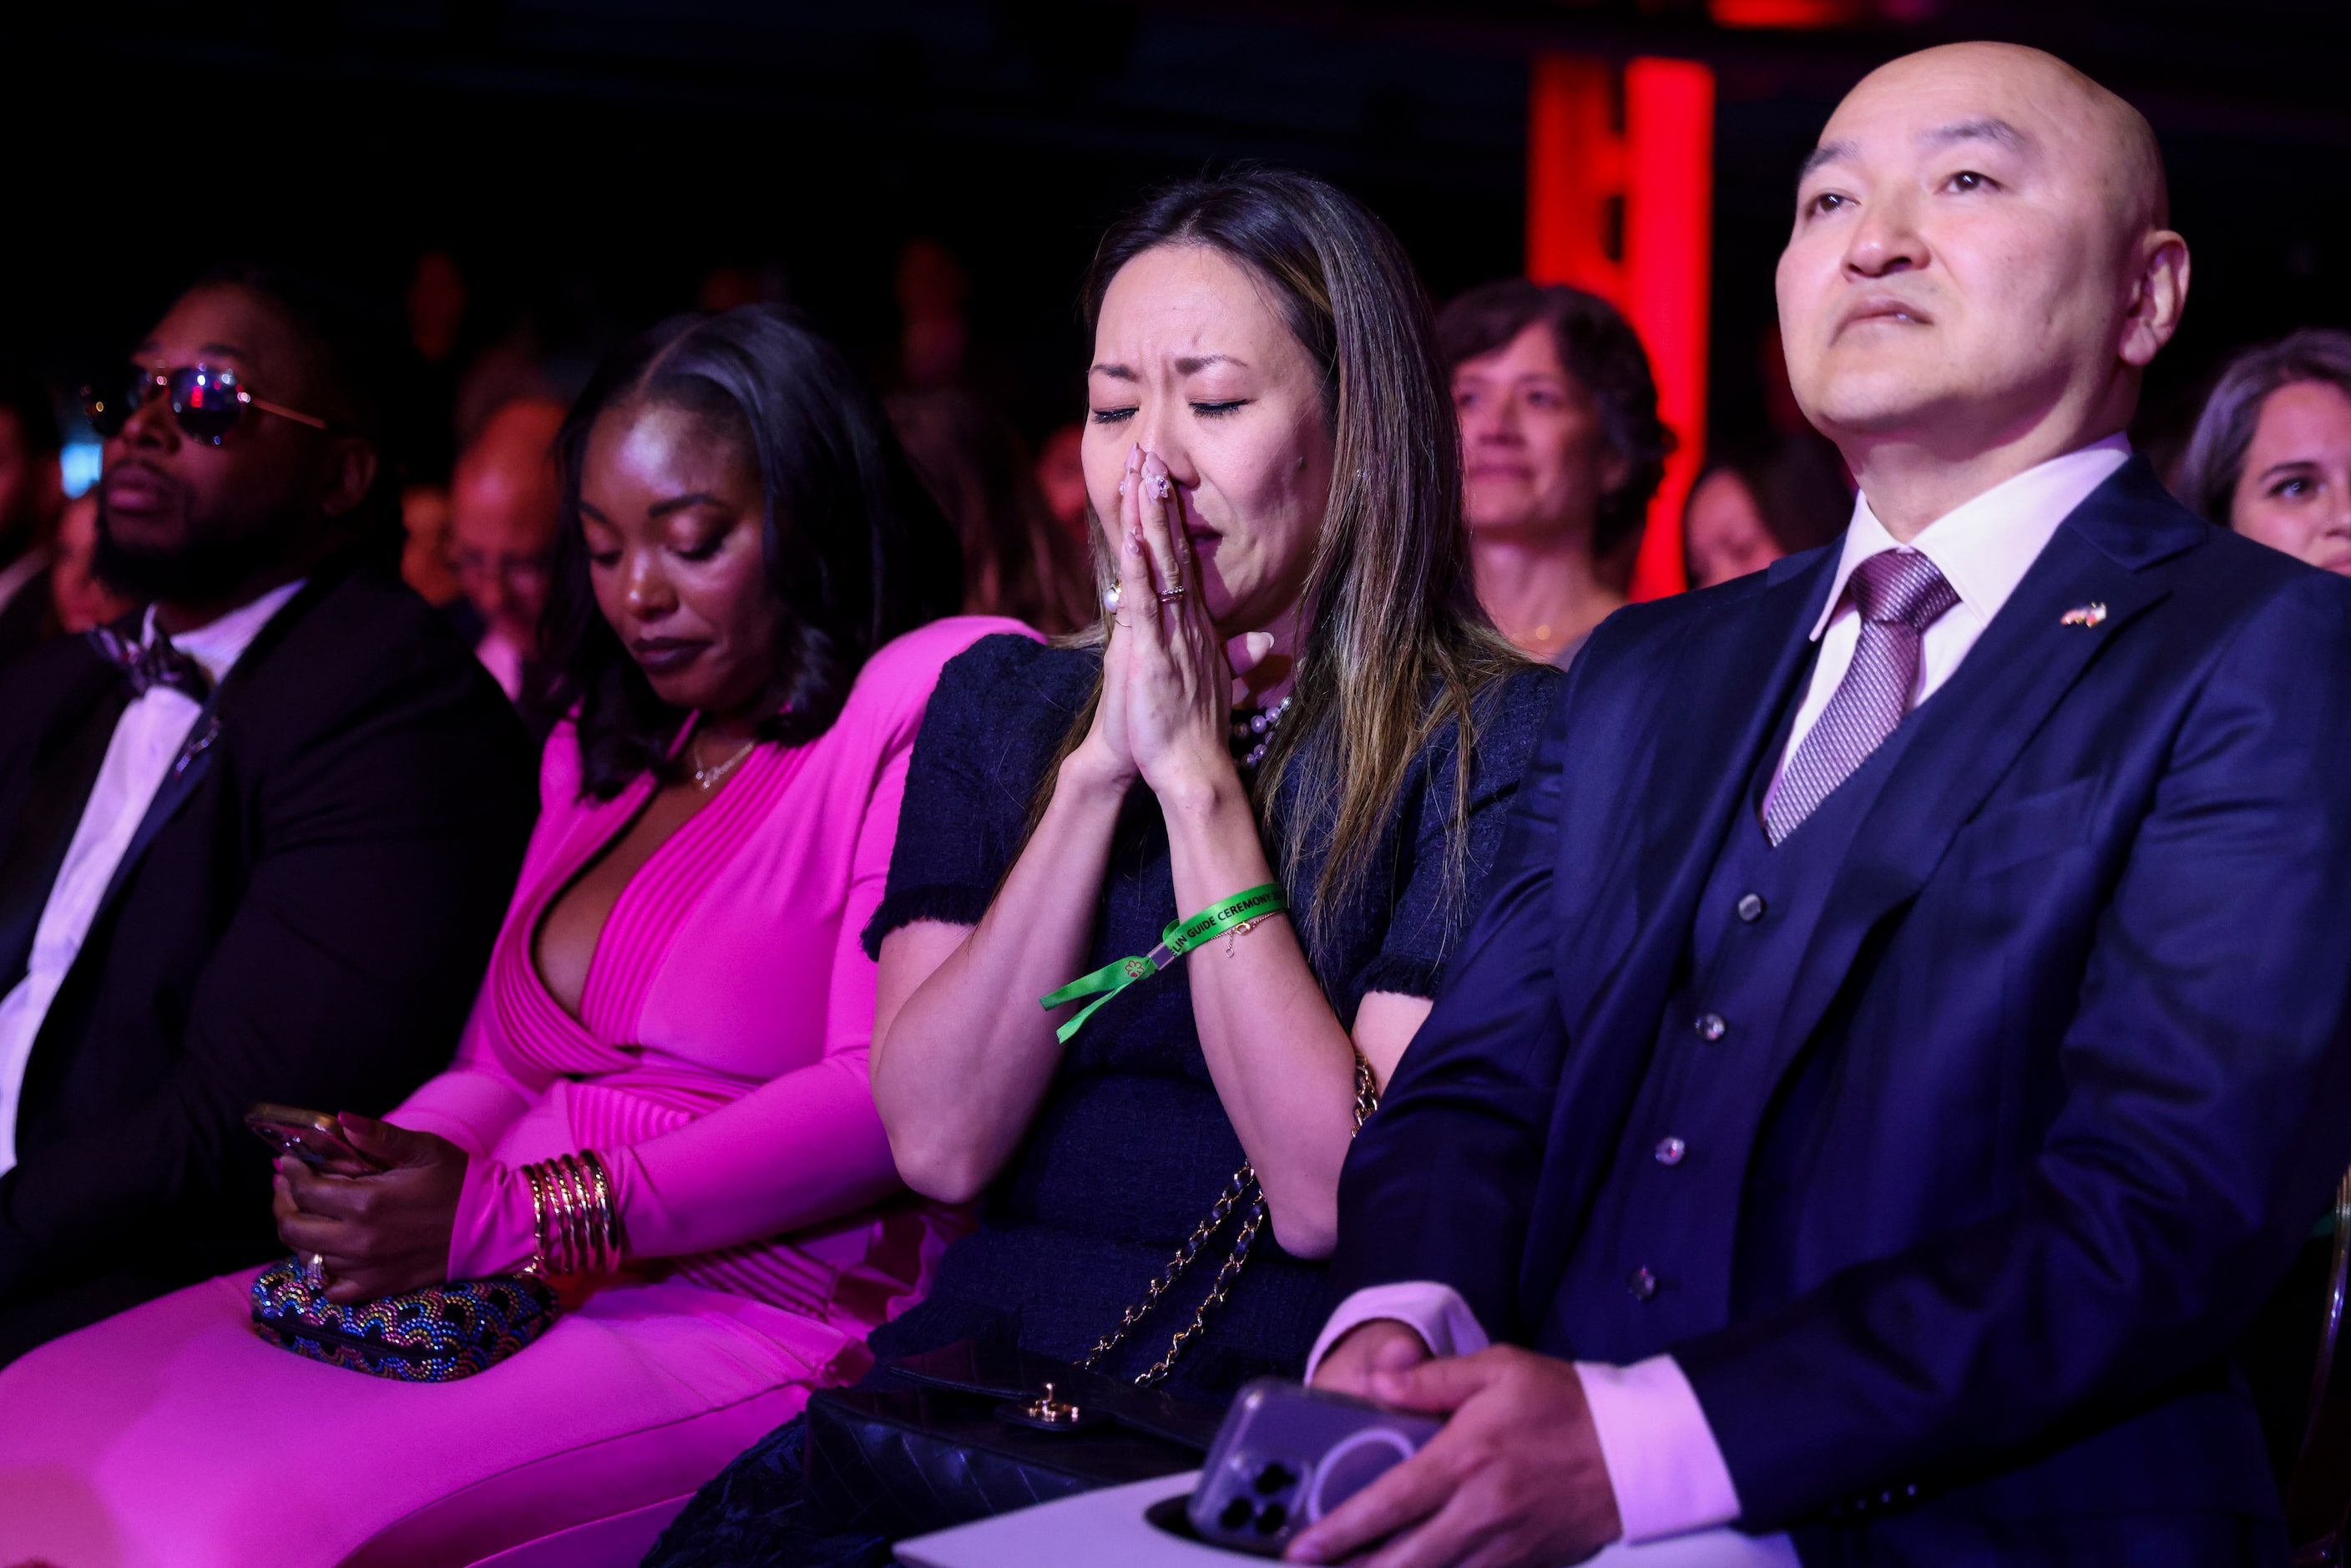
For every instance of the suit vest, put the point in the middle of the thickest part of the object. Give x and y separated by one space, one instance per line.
1655 1259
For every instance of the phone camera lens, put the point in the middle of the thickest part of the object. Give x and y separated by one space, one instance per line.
1270 1522
1274 1479
1236 1513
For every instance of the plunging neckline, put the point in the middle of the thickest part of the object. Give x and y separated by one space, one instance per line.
612 991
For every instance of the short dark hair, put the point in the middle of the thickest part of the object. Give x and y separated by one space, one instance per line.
351 343
1600 350
856 551
2224 430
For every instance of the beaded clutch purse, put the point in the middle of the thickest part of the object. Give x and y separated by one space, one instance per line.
443 1332
434 1335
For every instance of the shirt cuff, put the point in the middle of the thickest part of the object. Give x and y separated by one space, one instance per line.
1663 1461
1434 1311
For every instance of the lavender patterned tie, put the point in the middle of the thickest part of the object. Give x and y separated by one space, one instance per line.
1899 594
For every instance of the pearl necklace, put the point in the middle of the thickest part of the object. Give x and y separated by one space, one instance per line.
1257 727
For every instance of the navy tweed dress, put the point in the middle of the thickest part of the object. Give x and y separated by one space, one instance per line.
1131 1145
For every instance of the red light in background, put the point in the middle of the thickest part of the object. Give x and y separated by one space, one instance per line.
1789 14
1662 169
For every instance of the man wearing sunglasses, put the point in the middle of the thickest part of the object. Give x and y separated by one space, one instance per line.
253 839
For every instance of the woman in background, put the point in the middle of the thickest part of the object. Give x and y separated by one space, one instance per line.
1561 450
2271 452
743 577
1294 686
1747 511
1018 561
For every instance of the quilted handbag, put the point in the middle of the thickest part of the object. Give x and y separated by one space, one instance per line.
953 1447
434 1335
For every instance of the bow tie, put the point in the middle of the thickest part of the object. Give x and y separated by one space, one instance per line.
156 663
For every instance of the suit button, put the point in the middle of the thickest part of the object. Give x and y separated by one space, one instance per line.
1750 908
1670 1151
1711 1027
1642 1283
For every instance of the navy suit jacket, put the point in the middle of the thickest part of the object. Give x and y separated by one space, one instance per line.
2084 979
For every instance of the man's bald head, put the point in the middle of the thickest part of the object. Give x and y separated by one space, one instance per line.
1978 262
504 504
514 455
2115 145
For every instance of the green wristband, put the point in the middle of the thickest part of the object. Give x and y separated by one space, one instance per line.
1180 937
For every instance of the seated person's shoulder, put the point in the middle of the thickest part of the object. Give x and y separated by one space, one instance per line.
2229 566
1004 676
42 690
1520 699
913 661
906 675
368 645
376 627
1633 638
40 675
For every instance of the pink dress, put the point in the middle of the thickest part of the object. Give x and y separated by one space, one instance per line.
718 1065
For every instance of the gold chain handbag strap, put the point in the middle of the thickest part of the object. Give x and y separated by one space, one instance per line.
1242 1189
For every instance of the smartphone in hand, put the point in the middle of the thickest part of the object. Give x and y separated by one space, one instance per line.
1287 1455
311 1136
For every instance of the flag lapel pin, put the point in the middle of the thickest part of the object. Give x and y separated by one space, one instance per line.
2083 615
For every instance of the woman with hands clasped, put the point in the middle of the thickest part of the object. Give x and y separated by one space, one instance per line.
1229 835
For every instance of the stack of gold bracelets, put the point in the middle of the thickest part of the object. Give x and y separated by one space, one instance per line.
571 1215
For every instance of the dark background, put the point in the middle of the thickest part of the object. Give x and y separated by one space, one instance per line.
589 164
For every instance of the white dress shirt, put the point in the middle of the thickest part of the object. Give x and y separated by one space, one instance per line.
147 740
1664 1464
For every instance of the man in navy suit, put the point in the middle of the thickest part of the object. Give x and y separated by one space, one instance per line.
1904 1041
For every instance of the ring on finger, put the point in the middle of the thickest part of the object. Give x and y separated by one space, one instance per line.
314 1272
1170 595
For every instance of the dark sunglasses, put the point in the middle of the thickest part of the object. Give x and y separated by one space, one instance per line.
207 401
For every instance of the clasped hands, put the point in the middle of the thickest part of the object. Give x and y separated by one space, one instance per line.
378 1232
1515 1480
1168 673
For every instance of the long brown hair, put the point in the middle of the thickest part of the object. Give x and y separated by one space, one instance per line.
1394 643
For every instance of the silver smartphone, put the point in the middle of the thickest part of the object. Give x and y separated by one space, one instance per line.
1288 1455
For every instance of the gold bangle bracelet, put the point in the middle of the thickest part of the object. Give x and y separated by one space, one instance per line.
607 1217
583 1224
572 1214
591 1253
539 1263
575 1217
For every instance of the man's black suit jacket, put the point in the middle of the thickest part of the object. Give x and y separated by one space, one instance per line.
303 916
2075 1022
29 618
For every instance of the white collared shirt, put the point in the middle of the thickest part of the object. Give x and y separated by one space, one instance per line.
1983 547
147 740
1672 1485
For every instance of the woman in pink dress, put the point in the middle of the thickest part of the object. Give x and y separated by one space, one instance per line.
678 987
